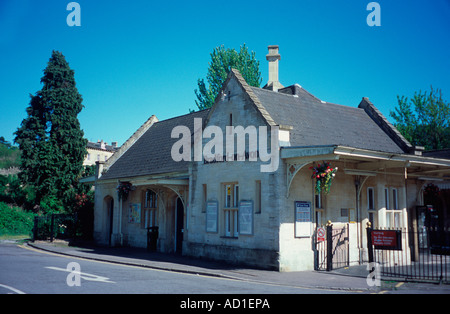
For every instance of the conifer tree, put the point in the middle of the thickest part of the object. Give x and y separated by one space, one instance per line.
50 137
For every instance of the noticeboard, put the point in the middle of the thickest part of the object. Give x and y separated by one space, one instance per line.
387 239
211 216
302 219
246 217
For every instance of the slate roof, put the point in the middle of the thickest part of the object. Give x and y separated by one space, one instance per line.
96 146
321 123
439 153
151 152
314 123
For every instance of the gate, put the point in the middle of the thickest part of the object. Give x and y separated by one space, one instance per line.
333 251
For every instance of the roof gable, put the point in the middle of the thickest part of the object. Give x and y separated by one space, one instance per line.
151 153
316 122
247 91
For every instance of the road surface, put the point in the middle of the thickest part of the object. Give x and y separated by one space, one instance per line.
25 270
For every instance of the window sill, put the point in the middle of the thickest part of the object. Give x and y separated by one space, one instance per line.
229 237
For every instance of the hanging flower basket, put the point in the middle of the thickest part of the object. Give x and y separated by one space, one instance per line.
431 190
323 174
123 189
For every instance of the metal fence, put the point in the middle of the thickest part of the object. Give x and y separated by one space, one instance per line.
422 255
55 226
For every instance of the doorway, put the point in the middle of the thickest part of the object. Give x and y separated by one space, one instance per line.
108 222
179 226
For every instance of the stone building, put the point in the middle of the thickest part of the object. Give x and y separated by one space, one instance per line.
99 151
234 182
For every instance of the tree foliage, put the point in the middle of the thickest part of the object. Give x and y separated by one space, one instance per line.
50 137
15 221
9 155
424 120
222 61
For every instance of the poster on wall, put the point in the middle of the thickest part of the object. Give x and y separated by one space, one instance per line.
211 216
134 214
302 219
246 217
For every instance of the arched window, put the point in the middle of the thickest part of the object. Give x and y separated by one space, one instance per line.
150 206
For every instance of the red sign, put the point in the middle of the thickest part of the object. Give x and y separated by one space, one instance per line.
321 234
386 239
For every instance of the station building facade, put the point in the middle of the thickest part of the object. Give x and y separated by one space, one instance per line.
257 204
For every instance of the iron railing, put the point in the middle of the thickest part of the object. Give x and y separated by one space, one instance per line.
55 226
424 256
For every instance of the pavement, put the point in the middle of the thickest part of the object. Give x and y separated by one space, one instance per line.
350 279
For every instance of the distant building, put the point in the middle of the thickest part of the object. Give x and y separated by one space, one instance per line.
99 151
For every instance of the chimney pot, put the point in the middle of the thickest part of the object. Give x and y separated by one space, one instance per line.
273 57
273 53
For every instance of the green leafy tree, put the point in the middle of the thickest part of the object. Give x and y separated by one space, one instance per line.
424 120
222 61
4 142
9 155
50 137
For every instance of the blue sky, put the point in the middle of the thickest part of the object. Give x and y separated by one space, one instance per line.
136 58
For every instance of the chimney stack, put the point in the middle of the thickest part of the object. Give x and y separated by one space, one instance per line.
273 57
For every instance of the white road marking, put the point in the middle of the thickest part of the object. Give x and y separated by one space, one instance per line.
12 289
85 276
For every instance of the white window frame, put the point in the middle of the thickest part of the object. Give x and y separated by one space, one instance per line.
231 209
394 216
